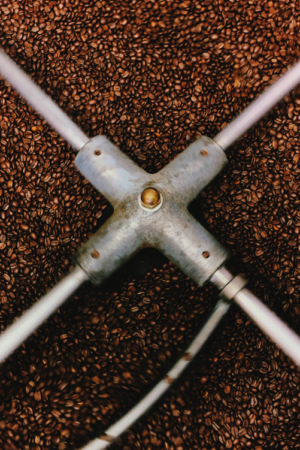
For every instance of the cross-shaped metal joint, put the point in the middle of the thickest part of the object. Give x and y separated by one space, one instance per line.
150 210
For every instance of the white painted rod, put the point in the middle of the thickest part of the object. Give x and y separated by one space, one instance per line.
40 101
256 110
113 432
268 321
16 333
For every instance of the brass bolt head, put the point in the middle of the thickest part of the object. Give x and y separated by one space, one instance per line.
150 198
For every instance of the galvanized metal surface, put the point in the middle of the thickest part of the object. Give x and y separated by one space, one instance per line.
233 287
169 228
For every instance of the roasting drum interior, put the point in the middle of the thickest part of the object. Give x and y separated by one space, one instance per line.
151 76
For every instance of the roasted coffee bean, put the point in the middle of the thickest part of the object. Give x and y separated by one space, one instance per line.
151 76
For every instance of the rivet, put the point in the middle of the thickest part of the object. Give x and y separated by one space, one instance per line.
150 198
204 153
95 254
205 254
97 152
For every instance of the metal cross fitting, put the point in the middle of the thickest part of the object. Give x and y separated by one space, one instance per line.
151 210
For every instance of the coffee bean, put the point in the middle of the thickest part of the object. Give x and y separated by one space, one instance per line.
151 77
227 389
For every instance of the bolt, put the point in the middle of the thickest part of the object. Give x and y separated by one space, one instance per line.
150 198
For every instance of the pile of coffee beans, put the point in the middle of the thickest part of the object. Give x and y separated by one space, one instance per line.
151 76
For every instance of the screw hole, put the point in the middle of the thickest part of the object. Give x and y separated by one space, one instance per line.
95 254
205 254
97 152
204 153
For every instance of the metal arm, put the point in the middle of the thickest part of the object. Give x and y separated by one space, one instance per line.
40 101
193 169
14 335
189 245
110 247
109 170
270 324
277 330
256 110
106 251
161 388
